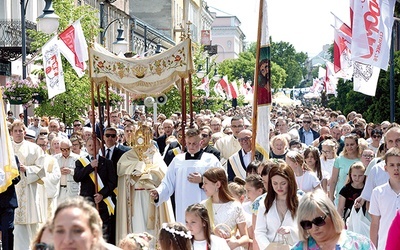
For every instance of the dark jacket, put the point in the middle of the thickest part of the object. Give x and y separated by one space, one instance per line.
231 174
301 134
213 150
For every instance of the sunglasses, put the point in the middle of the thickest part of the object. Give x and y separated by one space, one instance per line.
43 246
111 135
64 149
77 125
376 136
43 133
306 121
319 222
204 135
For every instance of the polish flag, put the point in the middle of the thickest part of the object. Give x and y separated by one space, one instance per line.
233 89
225 86
74 47
205 85
342 44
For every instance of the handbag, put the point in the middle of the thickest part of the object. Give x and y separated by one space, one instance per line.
358 223
283 244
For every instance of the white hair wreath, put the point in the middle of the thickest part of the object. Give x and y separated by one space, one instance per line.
171 230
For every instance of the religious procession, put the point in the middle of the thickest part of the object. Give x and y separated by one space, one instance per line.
260 174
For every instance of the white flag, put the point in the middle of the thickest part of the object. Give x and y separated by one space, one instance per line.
372 23
53 68
365 78
74 47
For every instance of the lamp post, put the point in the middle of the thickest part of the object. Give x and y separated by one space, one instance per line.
120 45
48 23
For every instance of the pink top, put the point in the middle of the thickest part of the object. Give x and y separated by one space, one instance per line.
393 239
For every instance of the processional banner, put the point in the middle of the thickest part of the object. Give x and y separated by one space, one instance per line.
149 76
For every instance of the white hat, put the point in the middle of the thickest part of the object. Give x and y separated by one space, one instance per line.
30 134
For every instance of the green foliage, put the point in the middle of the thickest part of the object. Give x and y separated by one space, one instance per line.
284 54
76 100
374 109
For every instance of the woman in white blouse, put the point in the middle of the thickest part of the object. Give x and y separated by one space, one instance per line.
276 216
227 217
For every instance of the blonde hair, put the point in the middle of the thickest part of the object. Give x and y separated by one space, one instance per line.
313 202
136 241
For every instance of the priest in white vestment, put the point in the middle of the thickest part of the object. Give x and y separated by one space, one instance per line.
184 176
140 170
27 215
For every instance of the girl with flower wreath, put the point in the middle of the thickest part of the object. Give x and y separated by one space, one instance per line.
174 236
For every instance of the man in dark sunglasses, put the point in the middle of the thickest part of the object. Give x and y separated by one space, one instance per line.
306 133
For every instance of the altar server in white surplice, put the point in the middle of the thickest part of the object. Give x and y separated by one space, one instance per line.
51 186
184 176
66 160
27 215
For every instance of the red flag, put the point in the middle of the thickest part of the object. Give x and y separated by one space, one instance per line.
74 47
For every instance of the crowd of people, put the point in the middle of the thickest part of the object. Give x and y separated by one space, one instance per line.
129 182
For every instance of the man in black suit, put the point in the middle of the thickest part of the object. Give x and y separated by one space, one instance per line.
238 162
104 197
206 133
111 150
168 126
8 203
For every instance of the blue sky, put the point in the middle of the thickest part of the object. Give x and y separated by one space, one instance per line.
304 23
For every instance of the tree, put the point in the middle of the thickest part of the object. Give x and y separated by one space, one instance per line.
75 101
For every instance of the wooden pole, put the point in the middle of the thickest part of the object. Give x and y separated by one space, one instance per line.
108 104
93 120
255 104
183 103
191 100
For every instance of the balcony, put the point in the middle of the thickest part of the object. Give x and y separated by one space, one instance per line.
10 39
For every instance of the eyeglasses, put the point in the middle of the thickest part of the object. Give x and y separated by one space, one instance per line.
244 139
43 246
306 121
319 222
368 156
316 120
376 136
64 149
111 135
77 125
204 135
238 126
43 133
341 121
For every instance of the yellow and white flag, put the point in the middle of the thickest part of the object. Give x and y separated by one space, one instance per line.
8 165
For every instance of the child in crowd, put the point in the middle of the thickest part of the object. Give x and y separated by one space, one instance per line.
174 236
198 223
352 190
385 200
328 156
227 216
136 242
306 179
254 188
313 161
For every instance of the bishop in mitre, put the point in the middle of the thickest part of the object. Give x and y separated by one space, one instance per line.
140 170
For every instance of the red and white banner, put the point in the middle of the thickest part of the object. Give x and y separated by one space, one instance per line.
74 47
372 31
330 79
205 85
233 88
53 67
341 49
225 86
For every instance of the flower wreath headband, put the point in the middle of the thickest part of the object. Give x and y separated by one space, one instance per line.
173 231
